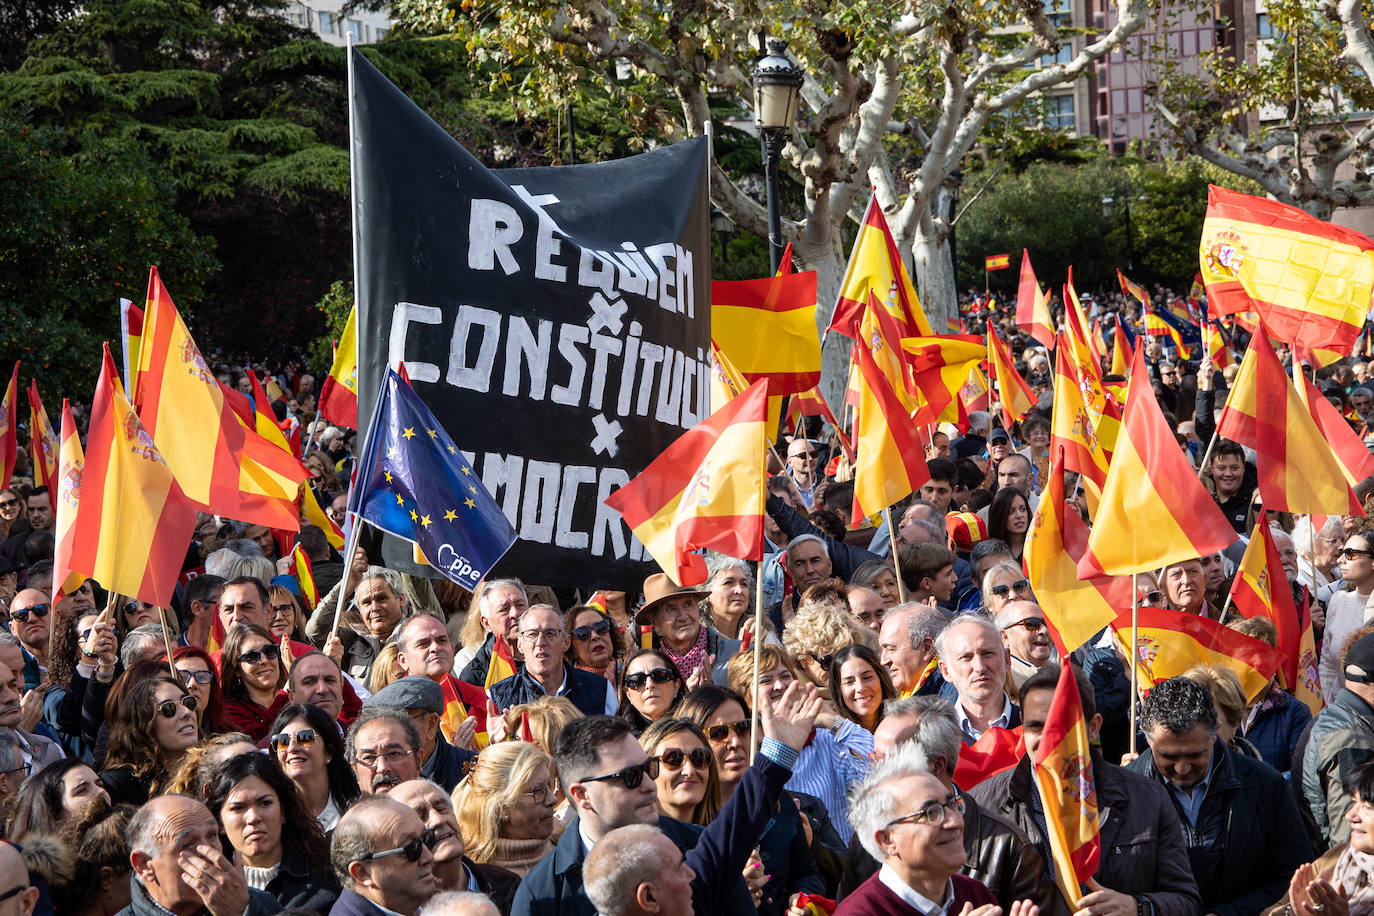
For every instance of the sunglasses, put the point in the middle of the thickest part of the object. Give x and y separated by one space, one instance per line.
1153 597
133 607
253 656
673 758
410 850
9 504
168 708
640 679
1002 591
720 733
1033 624
200 677
38 610
630 777
600 628
1347 553
822 660
305 737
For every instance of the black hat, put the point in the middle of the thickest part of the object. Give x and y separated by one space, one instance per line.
1359 661
998 434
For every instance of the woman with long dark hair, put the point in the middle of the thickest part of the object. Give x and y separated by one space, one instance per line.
860 685
649 689
255 803
59 794
1009 519
197 671
307 746
252 675
152 729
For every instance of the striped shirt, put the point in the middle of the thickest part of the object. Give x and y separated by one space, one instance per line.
829 765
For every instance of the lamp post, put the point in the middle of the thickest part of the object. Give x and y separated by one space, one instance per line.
777 91
1107 204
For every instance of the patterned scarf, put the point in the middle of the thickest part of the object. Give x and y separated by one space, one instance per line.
1355 872
689 663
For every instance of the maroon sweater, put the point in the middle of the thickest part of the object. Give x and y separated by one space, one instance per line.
874 898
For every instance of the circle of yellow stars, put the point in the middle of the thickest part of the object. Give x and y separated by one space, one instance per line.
449 514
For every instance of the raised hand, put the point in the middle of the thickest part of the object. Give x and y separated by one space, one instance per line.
216 880
703 674
791 717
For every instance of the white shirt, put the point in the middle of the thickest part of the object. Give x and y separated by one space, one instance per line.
1000 722
924 905
1346 613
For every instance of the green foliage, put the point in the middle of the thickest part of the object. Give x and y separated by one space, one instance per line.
334 306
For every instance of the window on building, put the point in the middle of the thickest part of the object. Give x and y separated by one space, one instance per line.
1060 116
1063 57
381 33
327 23
355 28
1264 28
1058 13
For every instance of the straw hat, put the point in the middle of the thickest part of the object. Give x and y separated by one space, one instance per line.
659 588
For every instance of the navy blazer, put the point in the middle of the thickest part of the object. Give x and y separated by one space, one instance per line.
351 903
585 689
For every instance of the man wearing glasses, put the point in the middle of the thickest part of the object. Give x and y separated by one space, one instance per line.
423 700
610 782
1026 637
543 642
15 876
383 747
802 457
381 853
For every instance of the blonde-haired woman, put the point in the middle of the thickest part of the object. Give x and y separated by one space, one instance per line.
546 716
505 807
386 668
823 626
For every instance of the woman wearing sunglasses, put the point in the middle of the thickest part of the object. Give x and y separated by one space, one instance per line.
649 689
597 643
1345 613
505 807
198 673
283 850
688 787
787 863
252 674
306 743
1003 582
150 731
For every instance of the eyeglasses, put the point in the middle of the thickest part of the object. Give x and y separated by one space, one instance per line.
282 610
305 737
631 776
200 677
1002 591
392 757
1347 553
807 455
720 733
673 758
270 652
1153 597
584 633
549 635
14 891
1033 624
932 813
640 679
542 792
410 850
38 610
168 708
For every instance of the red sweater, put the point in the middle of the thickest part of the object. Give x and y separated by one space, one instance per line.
874 898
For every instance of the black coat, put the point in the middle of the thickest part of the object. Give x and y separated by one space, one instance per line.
298 884
496 882
586 691
447 765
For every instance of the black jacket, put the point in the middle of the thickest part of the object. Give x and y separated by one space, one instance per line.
496 882
586 690
351 903
260 903
297 884
475 671
1248 840
1142 843
996 853
447 765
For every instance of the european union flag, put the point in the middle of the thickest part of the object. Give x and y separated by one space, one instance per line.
1189 334
415 483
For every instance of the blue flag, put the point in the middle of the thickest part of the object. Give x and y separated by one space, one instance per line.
414 483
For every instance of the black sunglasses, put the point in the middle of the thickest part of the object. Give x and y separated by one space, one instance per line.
305 737
1002 591
630 777
673 758
600 628
168 708
719 733
200 677
1348 553
38 610
823 660
253 656
410 850
640 679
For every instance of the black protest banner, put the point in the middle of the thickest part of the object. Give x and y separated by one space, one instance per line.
555 320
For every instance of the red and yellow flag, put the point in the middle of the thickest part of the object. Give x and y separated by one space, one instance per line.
1131 288
1297 470
305 576
1153 510
1068 793
1121 350
9 429
767 328
812 403
1171 642
1012 390
1075 608
939 367
1071 427
315 515
1309 280
1354 457
1077 320
133 523
65 493
1215 342
456 710
1260 589
131 336
998 749
267 492
42 441
890 453
1087 364
997 262
502 663
876 268
1033 306
726 381
704 490
339 393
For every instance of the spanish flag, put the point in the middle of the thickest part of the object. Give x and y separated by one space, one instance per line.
313 514
1153 510
1215 342
268 493
1353 455
1121 350
996 750
767 328
1260 589
1012 390
1075 608
997 262
9 429
1131 288
812 403
1077 319
456 709
1297 470
1087 365
726 381
502 663
1309 280
42 441
876 268
1033 306
704 491
891 456
339 393
65 494
130 335
975 393
305 576
1071 428
1068 794
939 366
1171 642
133 523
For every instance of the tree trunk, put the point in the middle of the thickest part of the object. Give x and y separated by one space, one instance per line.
934 274
829 267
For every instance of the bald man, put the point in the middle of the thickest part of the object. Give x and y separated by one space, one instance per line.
180 867
13 874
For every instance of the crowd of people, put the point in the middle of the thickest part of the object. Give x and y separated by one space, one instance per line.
530 750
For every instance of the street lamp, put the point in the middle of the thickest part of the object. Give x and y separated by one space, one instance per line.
777 92
1107 205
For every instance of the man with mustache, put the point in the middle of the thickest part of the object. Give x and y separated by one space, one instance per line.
383 747
422 701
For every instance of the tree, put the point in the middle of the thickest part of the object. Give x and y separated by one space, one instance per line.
1288 113
895 101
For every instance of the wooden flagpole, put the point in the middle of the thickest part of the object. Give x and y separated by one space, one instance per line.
896 566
